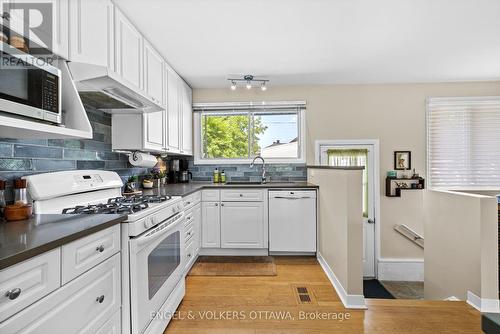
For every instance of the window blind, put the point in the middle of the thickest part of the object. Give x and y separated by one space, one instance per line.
463 143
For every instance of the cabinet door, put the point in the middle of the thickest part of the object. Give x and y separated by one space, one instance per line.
91 31
242 225
187 120
129 54
153 131
81 306
153 73
58 35
210 225
173 119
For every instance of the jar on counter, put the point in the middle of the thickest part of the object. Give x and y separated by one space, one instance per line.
20 194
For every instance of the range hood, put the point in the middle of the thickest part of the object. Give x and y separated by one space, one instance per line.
103 89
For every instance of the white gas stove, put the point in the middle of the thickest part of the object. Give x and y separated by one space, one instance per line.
98 192
152 239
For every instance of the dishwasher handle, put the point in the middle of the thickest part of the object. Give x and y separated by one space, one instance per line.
285 197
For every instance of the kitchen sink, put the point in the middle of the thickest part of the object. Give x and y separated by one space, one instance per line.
257 182
243 182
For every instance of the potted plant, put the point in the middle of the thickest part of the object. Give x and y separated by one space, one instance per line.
132 182
147 182
158 176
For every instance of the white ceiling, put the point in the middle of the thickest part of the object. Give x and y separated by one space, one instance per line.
324 41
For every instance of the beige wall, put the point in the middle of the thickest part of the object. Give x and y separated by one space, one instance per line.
394 114
461 245
340 229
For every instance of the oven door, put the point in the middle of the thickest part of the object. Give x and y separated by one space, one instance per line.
29 86
156 266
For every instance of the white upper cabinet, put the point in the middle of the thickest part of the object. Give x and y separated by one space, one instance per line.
128 50
91 32
59 32
154 138
187 120
173 127
153 73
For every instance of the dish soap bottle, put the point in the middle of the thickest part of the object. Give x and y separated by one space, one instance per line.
216 175
223 177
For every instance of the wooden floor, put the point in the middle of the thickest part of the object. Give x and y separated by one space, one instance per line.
240 305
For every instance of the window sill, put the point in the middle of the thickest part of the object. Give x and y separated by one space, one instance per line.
198 161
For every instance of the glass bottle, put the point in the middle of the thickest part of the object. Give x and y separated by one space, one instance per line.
20 196
2 197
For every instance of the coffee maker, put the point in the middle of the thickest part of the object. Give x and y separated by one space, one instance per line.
184 173
179 171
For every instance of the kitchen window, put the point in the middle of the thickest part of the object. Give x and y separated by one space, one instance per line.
463 136
236 133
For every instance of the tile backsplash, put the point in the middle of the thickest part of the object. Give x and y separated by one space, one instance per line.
243 172
20 157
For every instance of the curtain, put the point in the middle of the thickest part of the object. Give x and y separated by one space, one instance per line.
352 158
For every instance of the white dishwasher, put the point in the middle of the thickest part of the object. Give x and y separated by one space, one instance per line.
292 221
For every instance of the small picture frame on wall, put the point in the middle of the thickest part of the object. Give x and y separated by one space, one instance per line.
402 160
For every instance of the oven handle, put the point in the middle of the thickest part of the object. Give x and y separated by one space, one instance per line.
168 225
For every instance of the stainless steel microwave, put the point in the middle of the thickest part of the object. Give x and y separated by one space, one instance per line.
29 86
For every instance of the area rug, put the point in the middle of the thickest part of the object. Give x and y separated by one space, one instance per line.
373 289
234 266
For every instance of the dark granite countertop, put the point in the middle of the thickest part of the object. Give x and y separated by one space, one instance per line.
184 189
21 240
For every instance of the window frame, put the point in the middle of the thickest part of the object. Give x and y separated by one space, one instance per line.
252 107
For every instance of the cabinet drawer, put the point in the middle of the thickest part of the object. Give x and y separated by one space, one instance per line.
189 233
210 195
189 218
190 254
242 195
191 200
85 253
82 306
29 281
112 326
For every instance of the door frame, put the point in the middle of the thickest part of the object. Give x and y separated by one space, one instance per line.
375 143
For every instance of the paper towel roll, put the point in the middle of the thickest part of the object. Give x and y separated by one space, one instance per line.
139 159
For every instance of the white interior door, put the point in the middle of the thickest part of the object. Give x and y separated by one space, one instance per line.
353 155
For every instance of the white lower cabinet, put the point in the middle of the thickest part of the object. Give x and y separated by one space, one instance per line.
210 225
82 306
112 326
24 283
242 225
237 221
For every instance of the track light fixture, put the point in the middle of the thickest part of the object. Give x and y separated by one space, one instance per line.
248 80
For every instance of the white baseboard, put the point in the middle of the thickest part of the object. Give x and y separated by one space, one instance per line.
349 301
483 305
410 270
233 252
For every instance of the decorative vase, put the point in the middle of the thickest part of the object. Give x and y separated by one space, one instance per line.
156 183
163 181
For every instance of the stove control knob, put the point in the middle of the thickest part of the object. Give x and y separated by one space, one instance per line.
174 210
148 223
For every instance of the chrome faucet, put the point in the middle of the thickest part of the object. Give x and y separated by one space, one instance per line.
264 178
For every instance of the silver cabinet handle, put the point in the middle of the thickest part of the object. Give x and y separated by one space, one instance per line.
241 195
222 204
216 204
100 299
13 294
100 249
189 255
